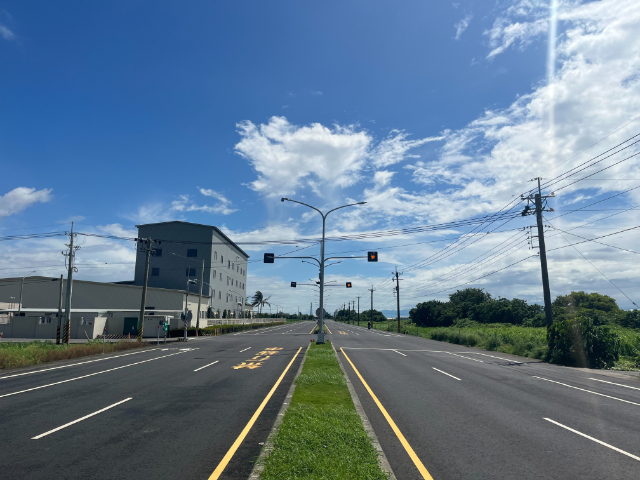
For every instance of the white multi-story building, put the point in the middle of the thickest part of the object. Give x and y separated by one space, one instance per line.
183 249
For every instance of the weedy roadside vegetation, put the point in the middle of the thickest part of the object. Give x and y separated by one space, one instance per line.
321 435
32 353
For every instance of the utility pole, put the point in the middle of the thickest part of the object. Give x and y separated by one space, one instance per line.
371 290
398 295
145 246
349 317
200 298
59 321
539 208
358 311
71 255
186 303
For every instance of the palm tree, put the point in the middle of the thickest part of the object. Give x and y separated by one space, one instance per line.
259 300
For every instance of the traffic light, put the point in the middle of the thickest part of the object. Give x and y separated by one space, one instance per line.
293 284
372 257
348 284
269 257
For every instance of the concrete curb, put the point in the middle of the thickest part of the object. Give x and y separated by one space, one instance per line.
258 467
382 458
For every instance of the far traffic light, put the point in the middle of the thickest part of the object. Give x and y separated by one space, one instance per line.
293 284
269 257
348 284
372 257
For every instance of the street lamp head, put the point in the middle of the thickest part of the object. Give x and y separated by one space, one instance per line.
283 199
361 203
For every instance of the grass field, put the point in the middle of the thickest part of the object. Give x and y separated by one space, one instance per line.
321 435
523 341
31 353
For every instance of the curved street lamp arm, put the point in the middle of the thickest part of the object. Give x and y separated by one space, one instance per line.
333 258
343 206
306 205
311 258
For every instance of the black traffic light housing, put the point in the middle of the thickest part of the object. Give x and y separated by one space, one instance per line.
372 257
293 284
348 284
269 257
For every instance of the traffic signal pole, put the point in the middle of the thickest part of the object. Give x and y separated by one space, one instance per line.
358 311
398 297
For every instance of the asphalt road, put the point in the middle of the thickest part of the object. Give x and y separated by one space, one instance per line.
178 417
472 414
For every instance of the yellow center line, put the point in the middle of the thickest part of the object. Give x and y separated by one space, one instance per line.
328 330
227 458
313 330
416 461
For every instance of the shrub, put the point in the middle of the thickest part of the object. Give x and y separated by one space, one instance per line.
581 343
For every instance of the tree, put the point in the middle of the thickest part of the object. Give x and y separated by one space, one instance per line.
224 313
377 316
259 300
465 299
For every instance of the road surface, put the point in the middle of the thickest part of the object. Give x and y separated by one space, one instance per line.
468 413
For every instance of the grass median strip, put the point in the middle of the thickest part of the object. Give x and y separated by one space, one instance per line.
321 435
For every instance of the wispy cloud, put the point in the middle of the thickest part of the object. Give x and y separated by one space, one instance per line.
185 204
6 33
462 25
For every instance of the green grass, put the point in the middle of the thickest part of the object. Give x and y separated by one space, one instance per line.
523 341
321 435
18 354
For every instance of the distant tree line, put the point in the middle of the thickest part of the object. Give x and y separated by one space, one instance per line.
476 305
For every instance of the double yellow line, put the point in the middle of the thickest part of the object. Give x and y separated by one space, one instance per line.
416 461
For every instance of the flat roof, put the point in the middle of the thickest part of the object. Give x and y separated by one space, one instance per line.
197 225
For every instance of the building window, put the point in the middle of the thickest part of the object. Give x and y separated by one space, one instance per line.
157 252
228 285
155 272
190 272
215 255
233 266
192 252
214 295
221 258
219 295
229 264
214 274
220 276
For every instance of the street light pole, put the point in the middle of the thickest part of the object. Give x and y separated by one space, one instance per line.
320 339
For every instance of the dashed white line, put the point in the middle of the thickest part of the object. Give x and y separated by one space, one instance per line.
89 375
618 384
588 391
468 358
594 439
80 419
208 365
399 353
445 373
72 365
493 356
245 349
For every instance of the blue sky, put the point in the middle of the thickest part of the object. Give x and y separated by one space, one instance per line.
116 113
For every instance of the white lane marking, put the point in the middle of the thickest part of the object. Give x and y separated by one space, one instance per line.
206 365
89 375
445 373
399 352
72 365
593 439
618 384
589 391
492 356
468 358
244 350
80 419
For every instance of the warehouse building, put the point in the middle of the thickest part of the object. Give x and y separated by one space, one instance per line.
182 251
94 306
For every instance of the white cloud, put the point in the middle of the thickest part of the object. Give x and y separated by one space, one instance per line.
520 23
21 198
395 147
462 25
289 157
6 33
151 213
185 204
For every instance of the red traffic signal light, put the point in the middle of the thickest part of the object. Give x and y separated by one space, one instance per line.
348 284
293 284
372 257
269 257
